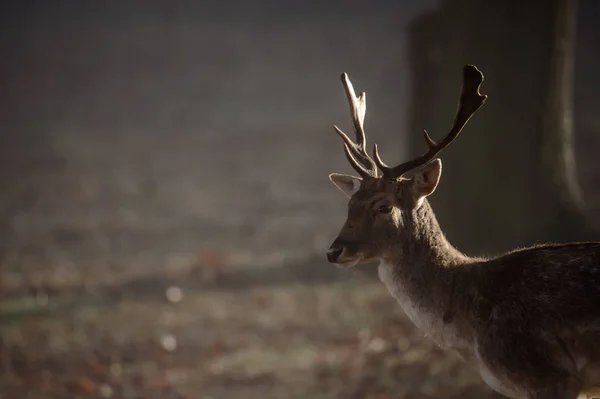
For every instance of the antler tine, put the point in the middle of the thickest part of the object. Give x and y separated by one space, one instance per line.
469 102
358 109
364 172
357 152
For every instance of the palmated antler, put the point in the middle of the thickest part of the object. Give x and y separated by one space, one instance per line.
357 152
469 102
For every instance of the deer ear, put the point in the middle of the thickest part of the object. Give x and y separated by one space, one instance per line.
348 184
426 180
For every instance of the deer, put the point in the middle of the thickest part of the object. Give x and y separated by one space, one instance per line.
528 320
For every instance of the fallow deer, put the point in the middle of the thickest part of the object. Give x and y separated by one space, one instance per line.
529 319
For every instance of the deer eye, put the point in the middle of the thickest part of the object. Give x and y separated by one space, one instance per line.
384 209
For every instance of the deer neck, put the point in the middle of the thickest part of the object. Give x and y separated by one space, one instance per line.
425 274
424 246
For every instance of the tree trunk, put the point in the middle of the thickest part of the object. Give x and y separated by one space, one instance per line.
510 179
558 156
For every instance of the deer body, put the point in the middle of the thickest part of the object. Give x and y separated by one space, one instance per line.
456 301
529 320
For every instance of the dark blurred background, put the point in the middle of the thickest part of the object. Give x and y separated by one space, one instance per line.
165 207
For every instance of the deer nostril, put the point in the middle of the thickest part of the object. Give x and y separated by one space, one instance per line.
334 253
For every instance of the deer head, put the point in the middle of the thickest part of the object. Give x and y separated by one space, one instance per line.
382 200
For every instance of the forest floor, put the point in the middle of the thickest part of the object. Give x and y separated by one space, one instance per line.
172 335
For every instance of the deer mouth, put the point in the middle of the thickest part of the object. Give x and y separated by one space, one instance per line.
346 263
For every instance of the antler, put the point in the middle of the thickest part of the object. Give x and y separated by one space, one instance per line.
469 102
357 152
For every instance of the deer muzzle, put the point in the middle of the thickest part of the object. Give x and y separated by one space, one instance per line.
334 252
339 254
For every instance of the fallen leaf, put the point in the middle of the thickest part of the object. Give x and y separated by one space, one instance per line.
86 385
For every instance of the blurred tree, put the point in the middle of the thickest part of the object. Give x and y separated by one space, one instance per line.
511 178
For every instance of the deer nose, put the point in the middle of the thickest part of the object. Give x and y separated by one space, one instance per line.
334 252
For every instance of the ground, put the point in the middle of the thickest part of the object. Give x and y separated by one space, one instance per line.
173 335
